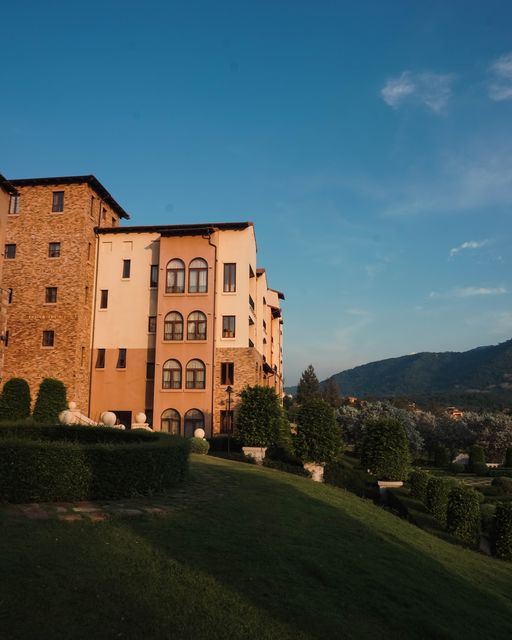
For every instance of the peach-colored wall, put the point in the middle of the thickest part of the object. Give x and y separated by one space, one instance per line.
186 248
124 324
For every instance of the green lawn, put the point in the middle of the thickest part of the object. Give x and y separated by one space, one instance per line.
250 553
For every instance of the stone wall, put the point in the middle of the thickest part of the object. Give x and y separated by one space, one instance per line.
32 270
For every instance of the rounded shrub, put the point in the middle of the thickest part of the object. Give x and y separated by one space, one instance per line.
502 534
480 469
15 400
463 514
436 501
385 449
476 456
442 457
508 457
259 419
199 445
50 401
418 481
503 484
456 468
318 436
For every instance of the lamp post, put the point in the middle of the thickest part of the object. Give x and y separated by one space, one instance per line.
229 391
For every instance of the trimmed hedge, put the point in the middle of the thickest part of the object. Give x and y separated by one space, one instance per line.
504 472
281 465
442 457
502 538
418 481
476 457
463 514
341 474
508 457
456 468
50 401
199 445
76 433
436 501
52 469
318 436
480 469
15 400
503 484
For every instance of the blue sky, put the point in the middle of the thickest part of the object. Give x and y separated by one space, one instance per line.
370 143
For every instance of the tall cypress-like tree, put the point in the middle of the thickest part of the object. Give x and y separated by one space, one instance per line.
15 400
51 400
331 393
309 387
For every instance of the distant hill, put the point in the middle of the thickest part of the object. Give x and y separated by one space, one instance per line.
484 370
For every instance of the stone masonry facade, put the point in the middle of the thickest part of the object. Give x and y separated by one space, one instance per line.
72 273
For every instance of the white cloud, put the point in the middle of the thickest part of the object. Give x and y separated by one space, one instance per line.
467 292
472 244
500 87
432 90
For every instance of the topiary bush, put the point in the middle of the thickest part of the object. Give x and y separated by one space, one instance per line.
347 477
318 436
418 481
260 416
15 400
503 484
50 401
436 501
442 457
48 469
456 468
508 457
476 456
480 469
502 531
199 445
385 449
463 514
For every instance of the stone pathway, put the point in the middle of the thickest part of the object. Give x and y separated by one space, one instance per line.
97 511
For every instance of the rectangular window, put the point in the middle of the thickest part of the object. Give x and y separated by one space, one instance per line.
226 421
230 277
150 370
54 250
10 251
14 204
104 299
126 268
48 338
228 326
100 359
91 212
152 324
121 359
9 296
58 202
227 371
153 277
50 295
6 339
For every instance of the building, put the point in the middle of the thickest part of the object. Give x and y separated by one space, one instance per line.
49 270
170 320
7 198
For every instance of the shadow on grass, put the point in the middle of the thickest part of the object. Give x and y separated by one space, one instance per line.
268 555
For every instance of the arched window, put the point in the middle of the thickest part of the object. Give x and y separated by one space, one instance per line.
175 282
194 419
198 276
196 375
173 326
170 422
171 375
196 326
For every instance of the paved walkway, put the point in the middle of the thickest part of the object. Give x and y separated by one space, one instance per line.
98 510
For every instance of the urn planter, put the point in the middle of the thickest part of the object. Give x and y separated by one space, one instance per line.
316 471
257 453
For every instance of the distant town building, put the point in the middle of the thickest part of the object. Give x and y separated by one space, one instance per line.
453 412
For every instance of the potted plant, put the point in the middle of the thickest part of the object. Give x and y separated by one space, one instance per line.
318 440
258 421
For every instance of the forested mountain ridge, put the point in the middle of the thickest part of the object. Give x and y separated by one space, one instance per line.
484 369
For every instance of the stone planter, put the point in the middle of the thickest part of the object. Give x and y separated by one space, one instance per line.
257 453
389 484
316 471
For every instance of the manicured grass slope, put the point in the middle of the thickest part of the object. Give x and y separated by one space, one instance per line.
250 553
